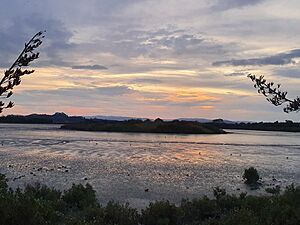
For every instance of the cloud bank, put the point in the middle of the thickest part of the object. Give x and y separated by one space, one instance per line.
222 5
277 59
89 67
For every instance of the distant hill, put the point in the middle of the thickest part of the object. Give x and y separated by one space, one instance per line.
57 118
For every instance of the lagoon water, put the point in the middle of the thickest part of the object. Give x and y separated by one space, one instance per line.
121 166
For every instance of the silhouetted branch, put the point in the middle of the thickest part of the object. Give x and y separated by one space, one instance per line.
12 76
274 95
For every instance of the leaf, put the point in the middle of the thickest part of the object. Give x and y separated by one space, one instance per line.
9 94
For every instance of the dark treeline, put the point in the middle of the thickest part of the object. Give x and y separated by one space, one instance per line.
148 126
39 205
287 126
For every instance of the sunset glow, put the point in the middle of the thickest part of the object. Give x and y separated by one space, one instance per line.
154 58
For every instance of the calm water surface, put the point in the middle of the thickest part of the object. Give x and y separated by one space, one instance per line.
121 166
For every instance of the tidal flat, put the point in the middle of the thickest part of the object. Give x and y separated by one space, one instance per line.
141 168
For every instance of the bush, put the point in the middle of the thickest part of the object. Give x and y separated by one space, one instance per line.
161 213
39 205
251 176
219 192
198 210
116 213
80 197
39 191
275 190
3 184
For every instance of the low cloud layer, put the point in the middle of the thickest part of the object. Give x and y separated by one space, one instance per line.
277 59
288 72
231 4
89 67
146 81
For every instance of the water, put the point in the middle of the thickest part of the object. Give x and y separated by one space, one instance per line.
121 166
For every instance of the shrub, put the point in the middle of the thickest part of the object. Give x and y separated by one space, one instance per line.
116 213
80 197
3 184
219 192
251 176
198 210
37 205
161 213
39 191
275 190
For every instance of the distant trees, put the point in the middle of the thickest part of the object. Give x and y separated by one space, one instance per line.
12 76
274 95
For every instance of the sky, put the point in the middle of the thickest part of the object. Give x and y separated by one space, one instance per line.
154 58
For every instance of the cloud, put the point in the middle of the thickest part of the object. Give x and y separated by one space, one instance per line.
89 67
114 90
21 29
222 5
236 74
146 80
80 94
98 91
288 72
278 59
116 96
192 103
161 43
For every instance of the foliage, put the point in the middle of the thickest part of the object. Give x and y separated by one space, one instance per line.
79 197
275 190
39 205
274 95
251 175
219 192
115 213
3 184
161 213
12 76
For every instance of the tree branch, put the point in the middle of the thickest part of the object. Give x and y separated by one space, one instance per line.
12 76
274 95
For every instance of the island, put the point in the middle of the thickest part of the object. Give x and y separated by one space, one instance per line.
147 126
